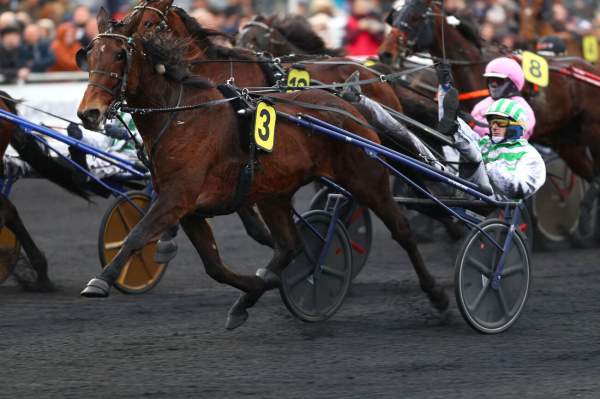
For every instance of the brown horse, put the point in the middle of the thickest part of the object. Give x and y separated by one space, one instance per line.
535 21
293 35
566 111
282 35
198 161
44 165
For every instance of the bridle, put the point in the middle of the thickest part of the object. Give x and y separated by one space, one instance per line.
262 39
128 46
412 33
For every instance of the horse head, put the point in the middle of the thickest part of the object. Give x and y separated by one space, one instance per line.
412 30
256 34
112 60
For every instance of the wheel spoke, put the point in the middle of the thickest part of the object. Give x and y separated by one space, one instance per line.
113 245
357 247
483 269
124 219
333 272
124 272
293 282
479 298
502 300
144 266
513 269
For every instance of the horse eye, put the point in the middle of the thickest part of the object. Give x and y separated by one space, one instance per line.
120 55
148 24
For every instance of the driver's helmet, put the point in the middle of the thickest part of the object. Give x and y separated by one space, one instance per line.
513 111
551 45
506 68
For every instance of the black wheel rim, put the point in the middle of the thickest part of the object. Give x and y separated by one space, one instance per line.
487 309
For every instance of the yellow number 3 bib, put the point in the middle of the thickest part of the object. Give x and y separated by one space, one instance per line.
264 126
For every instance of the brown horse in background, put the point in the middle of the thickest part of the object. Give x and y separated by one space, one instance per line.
535 21
566 111
264 34
198 161
45 166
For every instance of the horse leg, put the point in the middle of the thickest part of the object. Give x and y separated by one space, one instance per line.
254 226
200 234
277 214
162 214
377 197
10 218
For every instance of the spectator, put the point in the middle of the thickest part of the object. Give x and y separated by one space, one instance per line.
8 18
321 20
65 46
91 29
365 30
35 50
47 29
81 16
12 66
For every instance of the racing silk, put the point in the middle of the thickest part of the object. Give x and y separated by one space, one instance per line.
515 168
482 107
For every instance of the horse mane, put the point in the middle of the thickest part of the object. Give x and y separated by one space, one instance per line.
171 52
298 31
468 30
202 38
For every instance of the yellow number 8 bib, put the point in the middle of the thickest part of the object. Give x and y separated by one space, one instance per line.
536 69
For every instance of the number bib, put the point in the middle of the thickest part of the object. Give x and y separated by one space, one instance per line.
298 78
536 69
590 48
264 126
369 63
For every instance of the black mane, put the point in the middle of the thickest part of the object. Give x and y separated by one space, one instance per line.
202 38
298 31
165 49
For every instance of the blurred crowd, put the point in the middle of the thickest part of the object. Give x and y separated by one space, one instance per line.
44 35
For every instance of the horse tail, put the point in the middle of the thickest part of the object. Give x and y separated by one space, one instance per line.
46 166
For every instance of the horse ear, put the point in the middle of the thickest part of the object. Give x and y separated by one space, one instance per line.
103 20
390 18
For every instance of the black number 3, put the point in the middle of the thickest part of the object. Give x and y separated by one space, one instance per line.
265 132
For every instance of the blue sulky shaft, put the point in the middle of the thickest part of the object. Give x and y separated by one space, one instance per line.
28 127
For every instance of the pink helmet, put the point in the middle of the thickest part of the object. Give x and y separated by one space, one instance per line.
504 68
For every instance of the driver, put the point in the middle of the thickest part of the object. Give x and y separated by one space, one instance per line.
505 79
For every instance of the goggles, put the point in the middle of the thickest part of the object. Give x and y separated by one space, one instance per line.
503 122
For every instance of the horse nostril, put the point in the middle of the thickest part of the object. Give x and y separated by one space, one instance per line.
91 116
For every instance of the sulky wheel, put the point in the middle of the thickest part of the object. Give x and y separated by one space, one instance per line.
556 205
10 248
526 225
486 309
141 273
312 292
358 224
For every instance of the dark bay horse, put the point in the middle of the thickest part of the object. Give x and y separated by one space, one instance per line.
45 166
283 35
220 63
566 111
199 160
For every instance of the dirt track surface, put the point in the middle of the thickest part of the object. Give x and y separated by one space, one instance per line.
386 341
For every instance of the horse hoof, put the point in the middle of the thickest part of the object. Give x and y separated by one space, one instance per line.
234 320
165 251
96 288
439 299
38 286
270 279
